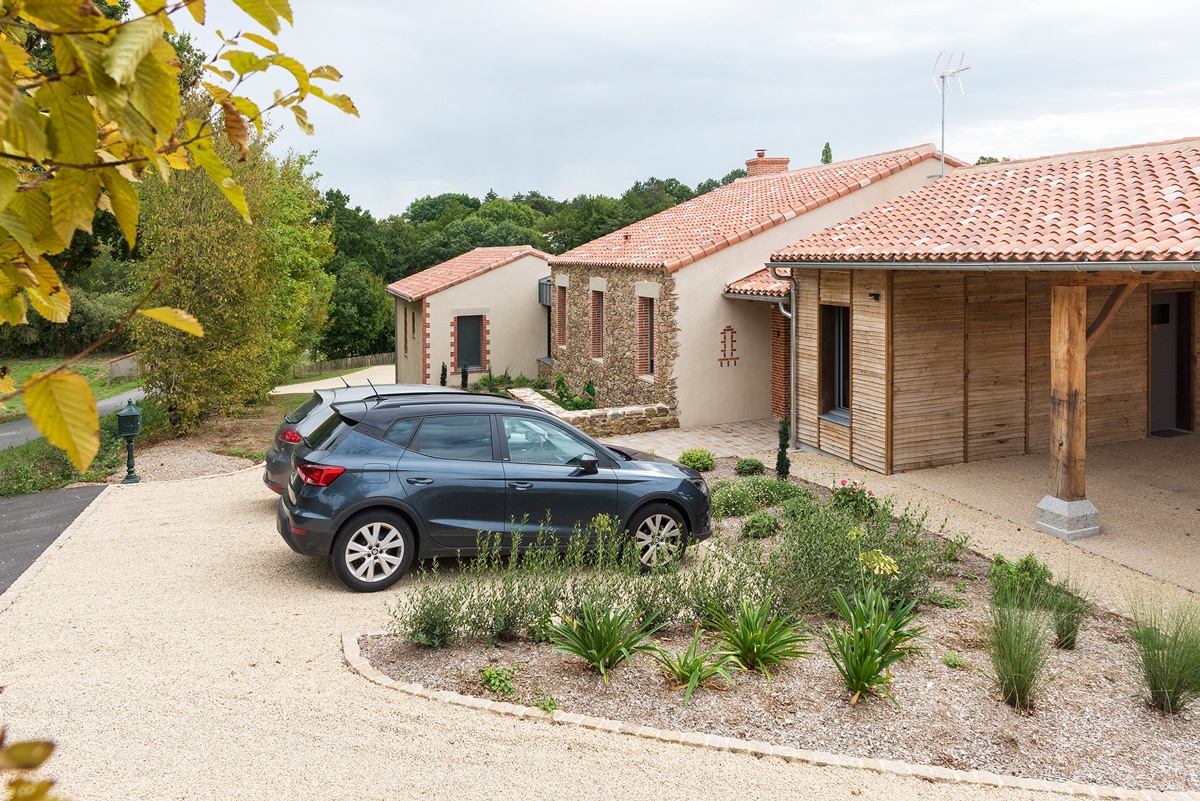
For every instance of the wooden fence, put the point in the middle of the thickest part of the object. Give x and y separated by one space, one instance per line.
336 365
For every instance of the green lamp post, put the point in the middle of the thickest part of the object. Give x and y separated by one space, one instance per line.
129 425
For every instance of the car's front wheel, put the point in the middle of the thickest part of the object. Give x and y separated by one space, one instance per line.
373 550
659 532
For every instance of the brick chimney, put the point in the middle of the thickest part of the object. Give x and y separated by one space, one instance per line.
761 165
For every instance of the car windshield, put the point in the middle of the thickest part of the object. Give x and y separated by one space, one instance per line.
331 426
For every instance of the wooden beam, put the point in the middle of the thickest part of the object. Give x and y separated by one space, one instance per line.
1068 391
1107 314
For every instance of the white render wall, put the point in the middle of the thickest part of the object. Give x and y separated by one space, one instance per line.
709 393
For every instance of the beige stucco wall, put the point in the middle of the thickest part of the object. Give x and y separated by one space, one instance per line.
508 297
708 392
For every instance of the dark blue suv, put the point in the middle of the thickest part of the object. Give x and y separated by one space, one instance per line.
387 480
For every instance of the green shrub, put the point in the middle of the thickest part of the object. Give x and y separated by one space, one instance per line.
431 613
749 467
1019 650
741 496
760 525
852 497
1167 641
1025 581
567 399
445 374
697 459
731 499
690 669
758 639
602 639
953 661
822 550
783 464
874 636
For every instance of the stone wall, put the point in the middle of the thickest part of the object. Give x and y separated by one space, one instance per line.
604 422
615 376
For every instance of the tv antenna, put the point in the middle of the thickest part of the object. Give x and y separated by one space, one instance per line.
947 77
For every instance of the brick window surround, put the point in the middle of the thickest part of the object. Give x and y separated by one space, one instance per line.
484 346
560 316
597 324
645 337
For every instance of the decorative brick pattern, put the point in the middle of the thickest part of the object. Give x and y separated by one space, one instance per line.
424 342
616 378
596 324
561 309
756 748
645 336
728 357
485 348
781 366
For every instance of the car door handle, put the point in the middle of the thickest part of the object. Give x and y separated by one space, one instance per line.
520 485
419 480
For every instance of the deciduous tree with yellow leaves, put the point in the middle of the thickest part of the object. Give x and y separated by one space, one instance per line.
75 139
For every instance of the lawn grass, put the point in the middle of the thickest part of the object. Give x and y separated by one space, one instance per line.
93 368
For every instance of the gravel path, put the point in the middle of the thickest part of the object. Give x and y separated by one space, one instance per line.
174 648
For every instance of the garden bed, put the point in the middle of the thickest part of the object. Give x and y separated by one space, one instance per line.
1090 724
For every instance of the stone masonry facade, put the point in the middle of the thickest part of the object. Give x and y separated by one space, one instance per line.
616 374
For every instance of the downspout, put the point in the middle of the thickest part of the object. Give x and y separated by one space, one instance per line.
791 316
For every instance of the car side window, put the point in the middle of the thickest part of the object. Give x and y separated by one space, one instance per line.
401 431
533 441
458 436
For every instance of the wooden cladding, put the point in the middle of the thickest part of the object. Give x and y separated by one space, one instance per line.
869 369
995 319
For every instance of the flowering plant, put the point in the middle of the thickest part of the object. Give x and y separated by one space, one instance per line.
853 497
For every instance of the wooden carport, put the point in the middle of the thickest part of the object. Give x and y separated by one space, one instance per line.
1104 226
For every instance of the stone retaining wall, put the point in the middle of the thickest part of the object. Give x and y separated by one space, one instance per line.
604 422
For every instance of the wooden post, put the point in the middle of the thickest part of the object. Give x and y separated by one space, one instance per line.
1068 391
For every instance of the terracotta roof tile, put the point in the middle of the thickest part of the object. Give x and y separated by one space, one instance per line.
1139 203
760 284
461 268
729 214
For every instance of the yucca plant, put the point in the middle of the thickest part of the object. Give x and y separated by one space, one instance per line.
1167 640
692 668
758 639
1019 650
874 637
602 639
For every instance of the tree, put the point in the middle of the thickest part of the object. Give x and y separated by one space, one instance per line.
258 290
105 111
827 154
360 315
431 209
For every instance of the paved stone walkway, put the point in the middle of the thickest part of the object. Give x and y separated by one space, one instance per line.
742 438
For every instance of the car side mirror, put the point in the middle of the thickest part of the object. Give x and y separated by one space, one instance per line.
589 464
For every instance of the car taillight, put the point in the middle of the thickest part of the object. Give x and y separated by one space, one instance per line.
290 435
318 475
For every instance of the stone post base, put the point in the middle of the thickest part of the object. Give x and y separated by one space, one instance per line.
1071 520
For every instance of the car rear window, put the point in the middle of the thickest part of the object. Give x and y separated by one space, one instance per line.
331 427
458 436
301 411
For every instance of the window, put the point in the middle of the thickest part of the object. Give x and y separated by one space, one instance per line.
470 342
835 362
459 436
533 441
401 431
404 331
597 324
645 336
560 316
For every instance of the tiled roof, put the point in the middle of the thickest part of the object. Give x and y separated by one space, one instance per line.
729 214
461 268
1139 203
760 284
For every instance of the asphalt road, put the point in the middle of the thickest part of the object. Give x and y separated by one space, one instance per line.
18 432
29 523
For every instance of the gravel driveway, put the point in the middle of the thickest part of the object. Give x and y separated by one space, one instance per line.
175 648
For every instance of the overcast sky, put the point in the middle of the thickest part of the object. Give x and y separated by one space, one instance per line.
586 97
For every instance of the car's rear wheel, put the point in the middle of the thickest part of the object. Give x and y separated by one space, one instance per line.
373 550
659 533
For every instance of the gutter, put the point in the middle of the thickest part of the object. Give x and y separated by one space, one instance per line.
791 279
996 266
